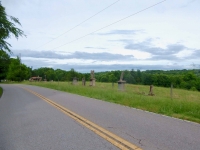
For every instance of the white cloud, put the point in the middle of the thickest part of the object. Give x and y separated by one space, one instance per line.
184 53
163 35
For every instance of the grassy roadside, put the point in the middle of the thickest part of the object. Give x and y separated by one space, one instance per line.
1 91
184 105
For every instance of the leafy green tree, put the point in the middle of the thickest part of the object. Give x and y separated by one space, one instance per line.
71 74
128 77
24 72
147 79
189 76
60 75
17 71
198 84
112 78
134 75
104 78
163 80
176 80
4 64
8 28
50 75
154 78
139 76
87 76
117 74
14 70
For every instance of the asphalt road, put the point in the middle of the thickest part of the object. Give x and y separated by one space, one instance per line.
27 122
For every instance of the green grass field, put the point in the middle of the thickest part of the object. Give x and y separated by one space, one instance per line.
184 104
1 91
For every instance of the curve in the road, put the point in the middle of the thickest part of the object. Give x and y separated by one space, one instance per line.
112 138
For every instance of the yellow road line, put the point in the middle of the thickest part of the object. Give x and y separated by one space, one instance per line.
112 138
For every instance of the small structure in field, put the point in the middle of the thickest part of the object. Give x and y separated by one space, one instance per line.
121 82
35 79
75 81
83 81
92 79
151 91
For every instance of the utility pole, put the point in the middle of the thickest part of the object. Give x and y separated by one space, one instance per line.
31 71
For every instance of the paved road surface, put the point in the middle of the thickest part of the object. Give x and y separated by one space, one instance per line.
27 122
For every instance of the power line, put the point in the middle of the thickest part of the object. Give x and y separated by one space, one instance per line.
111 24
80 23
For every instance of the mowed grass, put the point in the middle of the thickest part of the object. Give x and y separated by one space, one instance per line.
184 104
1 91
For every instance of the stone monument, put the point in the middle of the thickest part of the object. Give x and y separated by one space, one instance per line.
75 81
121 82
92 79
83 81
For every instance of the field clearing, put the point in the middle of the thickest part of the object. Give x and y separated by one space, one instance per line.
184 104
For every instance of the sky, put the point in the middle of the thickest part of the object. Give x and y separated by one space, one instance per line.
107 35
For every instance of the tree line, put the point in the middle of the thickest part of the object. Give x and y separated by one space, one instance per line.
12 69
184 79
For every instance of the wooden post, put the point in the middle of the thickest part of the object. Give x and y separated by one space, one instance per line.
151 90
171 91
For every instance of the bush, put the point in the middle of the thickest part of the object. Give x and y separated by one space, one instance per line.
193 89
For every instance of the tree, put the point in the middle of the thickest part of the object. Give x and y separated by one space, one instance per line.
50 75
14 70
4 63
147 79
104 78
189 76
60 75
8 28
112 78
17 71
128 77
139 76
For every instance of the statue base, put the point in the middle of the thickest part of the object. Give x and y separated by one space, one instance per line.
92 82
121 85
75 81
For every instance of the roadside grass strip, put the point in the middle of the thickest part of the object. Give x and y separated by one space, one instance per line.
183 104
107 135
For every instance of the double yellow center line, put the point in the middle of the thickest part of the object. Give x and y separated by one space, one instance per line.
112 138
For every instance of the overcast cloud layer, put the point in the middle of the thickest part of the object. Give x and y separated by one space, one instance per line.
60 35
